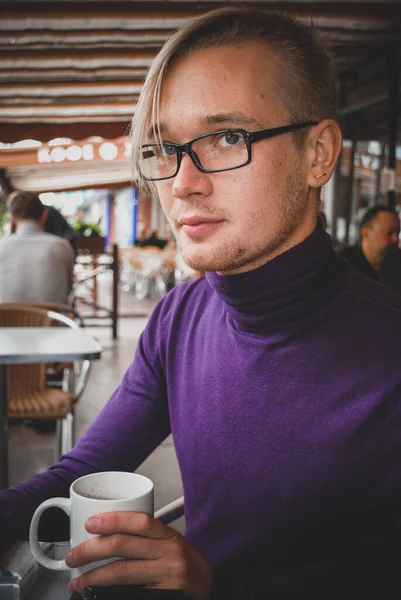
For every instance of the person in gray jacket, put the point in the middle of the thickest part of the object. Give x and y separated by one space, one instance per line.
35 266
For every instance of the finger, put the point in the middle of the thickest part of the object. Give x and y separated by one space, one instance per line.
118 544
134 523
120 572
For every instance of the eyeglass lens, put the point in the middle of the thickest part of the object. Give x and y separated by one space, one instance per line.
213 152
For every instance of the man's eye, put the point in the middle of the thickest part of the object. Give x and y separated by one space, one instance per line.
147 154
230 139
169 150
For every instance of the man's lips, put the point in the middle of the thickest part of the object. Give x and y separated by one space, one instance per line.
197 225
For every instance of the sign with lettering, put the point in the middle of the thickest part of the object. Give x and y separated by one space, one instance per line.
84 151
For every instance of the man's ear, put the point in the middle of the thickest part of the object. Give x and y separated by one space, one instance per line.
364 232
324 146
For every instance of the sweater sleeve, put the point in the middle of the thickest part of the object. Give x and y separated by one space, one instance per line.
131 425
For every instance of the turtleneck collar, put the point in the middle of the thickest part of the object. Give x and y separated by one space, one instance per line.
28 228
291 290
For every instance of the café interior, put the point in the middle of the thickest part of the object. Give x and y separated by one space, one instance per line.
70 76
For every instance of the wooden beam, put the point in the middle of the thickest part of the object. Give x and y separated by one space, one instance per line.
84 185
64 176
344 37
127 22
77 152
61 120
163 15
74 59
116 54
61 90
78 110
35 61
10 133
111 45
73 74
364 97
81 39
370 124
64 103
149 8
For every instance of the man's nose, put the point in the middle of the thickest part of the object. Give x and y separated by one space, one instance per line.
189 180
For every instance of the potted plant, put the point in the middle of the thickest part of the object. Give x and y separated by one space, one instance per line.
89 237
3 217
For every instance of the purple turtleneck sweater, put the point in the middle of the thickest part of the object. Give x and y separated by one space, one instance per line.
281 387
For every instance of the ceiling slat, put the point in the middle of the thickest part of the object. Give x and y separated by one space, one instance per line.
45 38
15 40
57 90
73 75
65 102
69 64
77 110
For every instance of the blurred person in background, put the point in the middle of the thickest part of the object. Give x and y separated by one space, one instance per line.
35 266
152 240
377 255
57 224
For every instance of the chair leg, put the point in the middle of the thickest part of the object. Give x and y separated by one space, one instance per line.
69 380
58 440
65 437
67 433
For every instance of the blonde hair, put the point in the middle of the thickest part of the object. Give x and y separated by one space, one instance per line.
307 85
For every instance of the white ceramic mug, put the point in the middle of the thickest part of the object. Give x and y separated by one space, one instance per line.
109 491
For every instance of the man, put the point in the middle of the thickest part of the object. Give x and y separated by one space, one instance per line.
380 228
152 240
57 224
34 266
283 403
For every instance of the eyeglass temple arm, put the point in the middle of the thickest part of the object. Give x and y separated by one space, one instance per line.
268 133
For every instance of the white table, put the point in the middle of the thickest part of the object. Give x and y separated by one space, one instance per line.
19 345
36 582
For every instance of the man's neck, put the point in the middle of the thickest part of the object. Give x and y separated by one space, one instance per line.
27 222
372 259
27 225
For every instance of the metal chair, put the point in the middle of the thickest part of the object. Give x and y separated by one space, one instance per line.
142 272
71 376
30 398
63 309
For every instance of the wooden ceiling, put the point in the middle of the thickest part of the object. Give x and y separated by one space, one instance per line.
75 69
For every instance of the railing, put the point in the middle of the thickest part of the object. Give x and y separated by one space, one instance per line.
99 312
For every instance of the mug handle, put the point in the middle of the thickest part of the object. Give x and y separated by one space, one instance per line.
50 563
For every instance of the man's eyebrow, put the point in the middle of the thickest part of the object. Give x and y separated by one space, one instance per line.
230 118
155 130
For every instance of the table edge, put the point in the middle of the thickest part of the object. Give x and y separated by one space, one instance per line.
30 359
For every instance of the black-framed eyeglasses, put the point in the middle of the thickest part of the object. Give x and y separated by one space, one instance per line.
221 150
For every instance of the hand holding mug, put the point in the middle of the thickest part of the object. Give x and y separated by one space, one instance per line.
151 554
116 541
89 495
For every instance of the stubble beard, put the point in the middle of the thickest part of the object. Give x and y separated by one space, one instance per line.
231 257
